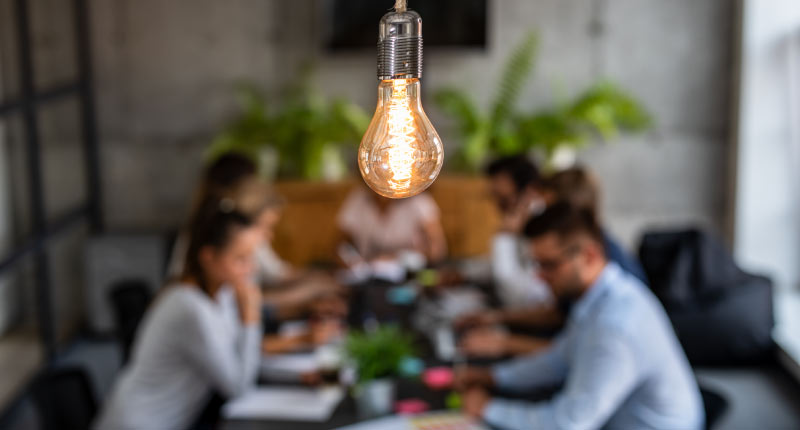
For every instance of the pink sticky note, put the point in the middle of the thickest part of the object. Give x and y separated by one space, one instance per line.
438 377
410 406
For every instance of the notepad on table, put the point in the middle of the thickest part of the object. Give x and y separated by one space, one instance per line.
287 367
285 403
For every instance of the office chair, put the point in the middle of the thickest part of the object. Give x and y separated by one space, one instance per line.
129 301
715 405
64 399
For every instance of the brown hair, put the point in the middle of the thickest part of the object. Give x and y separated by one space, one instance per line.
566 221
221 177
575 186
214 224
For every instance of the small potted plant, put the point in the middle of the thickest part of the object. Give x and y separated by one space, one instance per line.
377 356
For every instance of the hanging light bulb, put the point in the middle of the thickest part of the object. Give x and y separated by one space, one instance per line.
400 154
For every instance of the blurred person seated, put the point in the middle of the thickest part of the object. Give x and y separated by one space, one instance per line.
201 335
326 324
514 183
618 362
383 229
222 176
288 293
579 188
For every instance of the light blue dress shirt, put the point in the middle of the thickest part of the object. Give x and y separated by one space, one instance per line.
620 364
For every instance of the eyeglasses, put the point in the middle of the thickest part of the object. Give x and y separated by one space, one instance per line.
552 264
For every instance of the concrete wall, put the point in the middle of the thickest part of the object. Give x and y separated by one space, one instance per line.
165 70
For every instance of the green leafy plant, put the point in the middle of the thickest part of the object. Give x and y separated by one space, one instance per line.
304 129
604 110
379 353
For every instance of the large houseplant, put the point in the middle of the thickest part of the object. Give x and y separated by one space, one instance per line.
602 110
307 135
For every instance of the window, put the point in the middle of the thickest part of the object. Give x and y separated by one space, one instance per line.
49 192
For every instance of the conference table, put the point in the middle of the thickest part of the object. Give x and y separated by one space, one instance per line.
367 299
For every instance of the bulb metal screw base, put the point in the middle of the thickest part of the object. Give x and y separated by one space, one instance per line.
400 58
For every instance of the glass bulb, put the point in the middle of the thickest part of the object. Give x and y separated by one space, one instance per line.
401 154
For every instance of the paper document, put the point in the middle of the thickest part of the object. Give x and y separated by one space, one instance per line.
429 421
285 403
287 367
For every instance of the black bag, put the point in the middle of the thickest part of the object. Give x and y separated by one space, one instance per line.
721 314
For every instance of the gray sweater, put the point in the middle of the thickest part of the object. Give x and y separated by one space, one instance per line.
187 346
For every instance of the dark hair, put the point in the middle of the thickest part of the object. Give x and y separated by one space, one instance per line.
522 171
566 221
222 177
575 186
214 224
228 170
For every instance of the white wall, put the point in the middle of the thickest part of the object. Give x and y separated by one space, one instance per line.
767 224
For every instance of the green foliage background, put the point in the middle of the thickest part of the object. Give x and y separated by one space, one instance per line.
303 126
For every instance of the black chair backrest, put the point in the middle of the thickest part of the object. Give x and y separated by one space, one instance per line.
715 405
211 414
129 300
64 399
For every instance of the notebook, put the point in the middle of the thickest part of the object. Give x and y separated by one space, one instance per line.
285 403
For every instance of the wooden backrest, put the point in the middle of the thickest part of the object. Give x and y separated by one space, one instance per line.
307 231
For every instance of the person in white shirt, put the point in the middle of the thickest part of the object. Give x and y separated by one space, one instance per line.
379 227
295 294
525 299
513 182
288 293
202 334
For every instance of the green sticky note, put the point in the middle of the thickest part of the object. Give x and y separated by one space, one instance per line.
453 401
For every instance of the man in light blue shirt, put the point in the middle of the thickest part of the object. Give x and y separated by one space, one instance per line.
618 361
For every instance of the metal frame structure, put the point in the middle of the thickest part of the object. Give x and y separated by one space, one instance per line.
29 100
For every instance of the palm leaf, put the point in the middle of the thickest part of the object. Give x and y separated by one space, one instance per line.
516 72
607 109
458 105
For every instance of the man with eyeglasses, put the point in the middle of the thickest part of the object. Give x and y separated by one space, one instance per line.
617 361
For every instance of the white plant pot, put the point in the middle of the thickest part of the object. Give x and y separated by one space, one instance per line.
564 157
268 163
374 398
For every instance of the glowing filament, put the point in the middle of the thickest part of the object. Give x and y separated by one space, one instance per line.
401 151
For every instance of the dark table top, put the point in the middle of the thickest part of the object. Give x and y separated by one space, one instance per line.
346 413
367 301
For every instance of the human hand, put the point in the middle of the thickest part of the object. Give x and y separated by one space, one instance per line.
311 379
324 331
485 343
329 306
474 401
477 319
472 377
248 298
515 218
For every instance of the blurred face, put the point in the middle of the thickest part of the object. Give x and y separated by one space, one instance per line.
562 264
267 221
234 263
504 192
